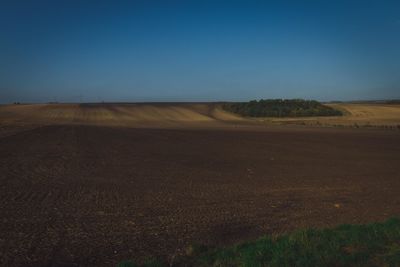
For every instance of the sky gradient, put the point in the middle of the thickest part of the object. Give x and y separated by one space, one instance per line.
90 51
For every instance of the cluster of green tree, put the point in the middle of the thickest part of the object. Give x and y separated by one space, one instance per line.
281 108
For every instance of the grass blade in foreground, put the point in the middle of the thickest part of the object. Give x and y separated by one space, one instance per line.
375 244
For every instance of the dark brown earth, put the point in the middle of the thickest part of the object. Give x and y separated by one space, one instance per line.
94 195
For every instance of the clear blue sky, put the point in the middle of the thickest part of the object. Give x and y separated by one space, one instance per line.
72 51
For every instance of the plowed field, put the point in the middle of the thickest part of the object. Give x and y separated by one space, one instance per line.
95 195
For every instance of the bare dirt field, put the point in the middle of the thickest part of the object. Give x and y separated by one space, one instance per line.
95 191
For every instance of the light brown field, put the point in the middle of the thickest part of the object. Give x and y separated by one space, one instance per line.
172 115
159 114
358 115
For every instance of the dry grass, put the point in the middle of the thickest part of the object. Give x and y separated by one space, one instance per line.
356 115
160 115
186 114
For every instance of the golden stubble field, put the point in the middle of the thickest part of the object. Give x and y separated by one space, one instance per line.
172 115
15 118
355 115
136 115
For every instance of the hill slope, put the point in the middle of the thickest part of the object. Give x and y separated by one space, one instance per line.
149 114
184 115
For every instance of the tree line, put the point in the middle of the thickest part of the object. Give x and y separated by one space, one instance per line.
281 108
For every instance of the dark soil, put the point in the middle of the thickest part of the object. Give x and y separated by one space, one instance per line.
93 196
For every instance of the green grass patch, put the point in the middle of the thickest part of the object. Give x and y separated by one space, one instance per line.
375 244
281 108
